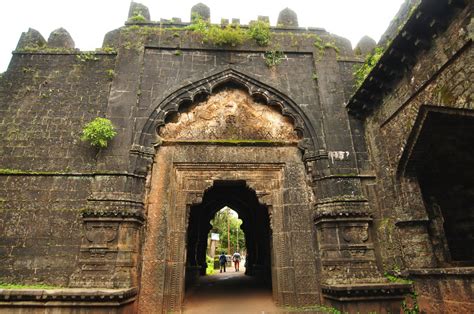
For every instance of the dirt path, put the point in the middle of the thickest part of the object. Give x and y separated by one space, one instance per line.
229 292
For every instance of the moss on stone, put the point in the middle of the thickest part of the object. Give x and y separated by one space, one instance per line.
243 142
21 286
312 309
46 49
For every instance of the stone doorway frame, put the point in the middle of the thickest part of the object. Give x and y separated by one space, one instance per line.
189 182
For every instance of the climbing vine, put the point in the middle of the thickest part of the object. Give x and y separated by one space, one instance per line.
362 71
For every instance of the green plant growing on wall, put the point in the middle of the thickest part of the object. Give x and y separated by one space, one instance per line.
231 34
260 32
87 56
20 286
317 308
362 71
45 49
98 132
110 74
137 17
395 276
273 57
414 308
210 265
332 45
107 49
318 43
321 45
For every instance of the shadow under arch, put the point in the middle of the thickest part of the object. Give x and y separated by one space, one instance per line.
255 215
206 86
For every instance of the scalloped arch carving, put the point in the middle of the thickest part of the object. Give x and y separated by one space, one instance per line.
229 114
207 86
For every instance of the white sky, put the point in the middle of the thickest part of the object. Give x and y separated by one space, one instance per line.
88 20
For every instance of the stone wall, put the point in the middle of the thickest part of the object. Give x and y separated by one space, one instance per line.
93 203
439 79
46 100
46 171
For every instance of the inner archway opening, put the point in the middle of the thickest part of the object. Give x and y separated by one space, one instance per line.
226 242
231 210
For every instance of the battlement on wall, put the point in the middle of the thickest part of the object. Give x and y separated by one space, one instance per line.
139 14
258 34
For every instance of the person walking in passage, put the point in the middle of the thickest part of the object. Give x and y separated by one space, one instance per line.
236 259
222 261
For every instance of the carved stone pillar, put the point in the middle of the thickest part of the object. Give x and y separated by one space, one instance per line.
345 242
109 250
351 277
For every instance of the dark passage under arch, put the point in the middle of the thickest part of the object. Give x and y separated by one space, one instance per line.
256 227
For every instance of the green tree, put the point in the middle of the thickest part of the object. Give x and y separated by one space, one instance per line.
220 222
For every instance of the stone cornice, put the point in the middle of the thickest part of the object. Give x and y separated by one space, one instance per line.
428 19
338 208
84 296
121 214
368 291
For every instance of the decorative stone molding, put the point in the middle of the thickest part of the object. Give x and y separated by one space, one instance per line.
206 86
65 297
370 297
117 213
191 181
225 115
372 291
343 207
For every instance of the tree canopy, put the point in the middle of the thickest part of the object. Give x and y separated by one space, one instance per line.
220 222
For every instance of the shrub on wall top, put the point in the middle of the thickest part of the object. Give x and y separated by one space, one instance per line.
98 132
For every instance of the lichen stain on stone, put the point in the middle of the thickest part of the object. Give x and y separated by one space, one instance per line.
229 115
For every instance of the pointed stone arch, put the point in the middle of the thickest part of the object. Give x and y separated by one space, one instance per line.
180 173
207 86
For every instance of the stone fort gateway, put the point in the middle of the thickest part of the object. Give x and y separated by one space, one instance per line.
356 190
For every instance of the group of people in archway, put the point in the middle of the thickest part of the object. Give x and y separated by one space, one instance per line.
223 261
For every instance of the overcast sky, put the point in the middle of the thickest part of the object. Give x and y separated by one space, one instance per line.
88 20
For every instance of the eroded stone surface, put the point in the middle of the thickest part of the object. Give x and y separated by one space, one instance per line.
31 38
287 17
231 114
138 9
60 38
